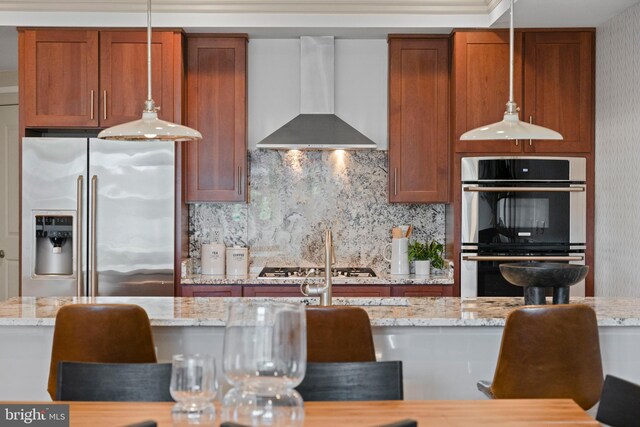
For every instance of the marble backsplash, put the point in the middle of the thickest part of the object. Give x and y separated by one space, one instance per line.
295 195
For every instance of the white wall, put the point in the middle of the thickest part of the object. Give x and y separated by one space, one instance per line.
360 86
617 224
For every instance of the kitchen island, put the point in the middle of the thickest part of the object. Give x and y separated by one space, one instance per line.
446 344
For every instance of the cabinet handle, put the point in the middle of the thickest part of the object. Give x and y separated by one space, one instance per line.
104 99
93 258
395 181
91 105
517 142
239 180
79 283
530 122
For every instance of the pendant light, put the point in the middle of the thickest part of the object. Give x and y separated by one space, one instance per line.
150 127
510 127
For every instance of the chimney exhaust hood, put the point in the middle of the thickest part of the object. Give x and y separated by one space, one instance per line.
317 127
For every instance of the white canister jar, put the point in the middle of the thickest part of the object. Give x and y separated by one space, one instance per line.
237 261
212 258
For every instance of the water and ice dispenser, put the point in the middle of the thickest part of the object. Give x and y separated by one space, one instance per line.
53 245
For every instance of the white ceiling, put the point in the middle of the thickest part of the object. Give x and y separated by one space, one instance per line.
292 18
258 6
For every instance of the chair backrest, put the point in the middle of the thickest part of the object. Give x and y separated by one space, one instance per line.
352 381
339 334
619 403
101 333
114 382
550 352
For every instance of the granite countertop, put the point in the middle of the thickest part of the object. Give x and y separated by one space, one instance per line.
444 311
381 279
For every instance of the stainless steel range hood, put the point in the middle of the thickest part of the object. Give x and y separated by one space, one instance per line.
316 127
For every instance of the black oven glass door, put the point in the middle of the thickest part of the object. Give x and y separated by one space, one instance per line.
492 284
526 214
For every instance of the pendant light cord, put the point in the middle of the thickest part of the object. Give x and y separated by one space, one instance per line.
512 107
149 105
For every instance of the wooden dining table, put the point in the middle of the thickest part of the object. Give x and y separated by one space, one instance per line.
524 412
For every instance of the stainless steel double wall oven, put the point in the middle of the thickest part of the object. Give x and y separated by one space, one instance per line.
520 209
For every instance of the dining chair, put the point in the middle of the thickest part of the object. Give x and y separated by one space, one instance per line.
352 381
102 333
619 403
114 382
339 334
549 352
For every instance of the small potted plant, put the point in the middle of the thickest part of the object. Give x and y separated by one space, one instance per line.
426 255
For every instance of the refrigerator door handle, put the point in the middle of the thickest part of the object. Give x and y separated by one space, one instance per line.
79 291
92 236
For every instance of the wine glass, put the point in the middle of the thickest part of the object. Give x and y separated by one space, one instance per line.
193 386
265 356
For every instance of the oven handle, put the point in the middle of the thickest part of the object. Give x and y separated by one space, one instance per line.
522 258
576 189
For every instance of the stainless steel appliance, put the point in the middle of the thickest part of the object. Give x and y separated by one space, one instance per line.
302 272
97 217
520 209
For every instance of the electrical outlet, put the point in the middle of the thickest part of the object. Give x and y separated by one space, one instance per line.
215 235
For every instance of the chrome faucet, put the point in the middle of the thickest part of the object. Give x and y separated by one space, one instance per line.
324 291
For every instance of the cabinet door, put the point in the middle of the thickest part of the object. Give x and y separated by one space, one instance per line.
480 86
418 120
421 291
216 106
123 75
212 291
271 291
558 89
59 73
361 291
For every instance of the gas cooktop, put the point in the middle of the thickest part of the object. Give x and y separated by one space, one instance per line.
302 272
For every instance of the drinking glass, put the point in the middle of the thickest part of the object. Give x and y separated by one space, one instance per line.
265 357
193 386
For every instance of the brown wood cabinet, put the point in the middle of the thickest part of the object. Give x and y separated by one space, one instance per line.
271 291
212 291
363 291
559 89
553 86
217 107
123 75
480 86
59 78
421 291
77 78
418 119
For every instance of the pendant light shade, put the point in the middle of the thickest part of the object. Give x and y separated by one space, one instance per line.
511 127
150 127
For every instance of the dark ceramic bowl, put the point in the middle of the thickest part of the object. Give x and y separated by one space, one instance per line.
544 274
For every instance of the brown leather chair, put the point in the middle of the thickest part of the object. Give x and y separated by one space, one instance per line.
103 333
339 334
549 352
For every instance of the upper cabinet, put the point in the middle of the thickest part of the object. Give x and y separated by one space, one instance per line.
418 119
559 89
480 86
90 78
553 86
123 75
217 106
59 78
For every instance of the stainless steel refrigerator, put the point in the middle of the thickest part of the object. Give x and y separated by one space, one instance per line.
97 217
